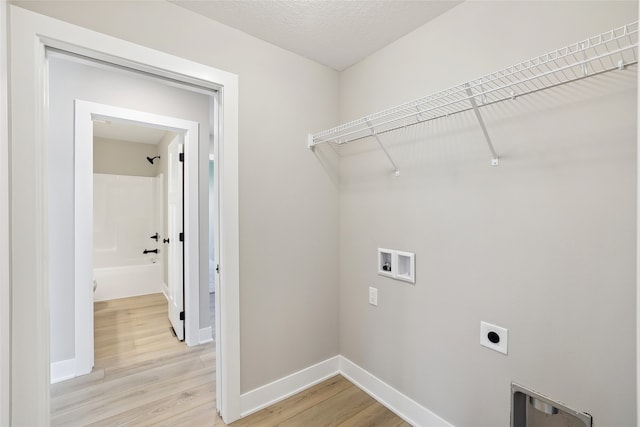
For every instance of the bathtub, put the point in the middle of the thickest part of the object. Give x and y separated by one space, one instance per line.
127 210
128 280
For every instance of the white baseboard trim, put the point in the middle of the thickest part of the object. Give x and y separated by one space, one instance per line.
403 406
262 397
63 370
205 335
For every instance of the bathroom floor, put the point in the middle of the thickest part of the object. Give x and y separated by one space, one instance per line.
142 374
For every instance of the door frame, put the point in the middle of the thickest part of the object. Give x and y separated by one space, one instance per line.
32 35
5 332
85 113
638 258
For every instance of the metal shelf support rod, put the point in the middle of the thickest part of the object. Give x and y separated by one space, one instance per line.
494 156
396 171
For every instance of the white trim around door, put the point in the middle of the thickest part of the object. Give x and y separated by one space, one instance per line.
31 35
85 113
5 336
638 261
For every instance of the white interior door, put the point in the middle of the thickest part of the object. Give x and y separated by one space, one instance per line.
175 247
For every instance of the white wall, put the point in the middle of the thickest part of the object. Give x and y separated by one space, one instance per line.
288 201
543 244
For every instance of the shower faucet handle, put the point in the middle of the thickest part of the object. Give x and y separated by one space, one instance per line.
155 236
165 240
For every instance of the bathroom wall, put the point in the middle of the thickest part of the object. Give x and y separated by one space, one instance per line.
129 158
543 244
123 157
288 195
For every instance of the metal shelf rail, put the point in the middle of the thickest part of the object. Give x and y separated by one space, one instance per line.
611 50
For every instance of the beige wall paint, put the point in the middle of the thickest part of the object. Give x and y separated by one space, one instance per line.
543 244
124 157
288 201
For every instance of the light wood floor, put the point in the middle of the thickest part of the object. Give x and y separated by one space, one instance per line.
144 377
142 374
334 402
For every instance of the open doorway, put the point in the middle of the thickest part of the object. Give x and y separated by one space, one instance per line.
138 215
151 245
40 154
141 290
181 231
129 210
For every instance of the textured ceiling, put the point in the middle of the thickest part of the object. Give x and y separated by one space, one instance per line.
337 33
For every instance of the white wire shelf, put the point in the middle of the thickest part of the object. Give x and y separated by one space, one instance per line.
611 50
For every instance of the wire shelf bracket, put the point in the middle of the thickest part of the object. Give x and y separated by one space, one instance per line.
613 50
495 160
396 171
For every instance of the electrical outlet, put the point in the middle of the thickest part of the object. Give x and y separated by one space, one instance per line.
373 296
494 337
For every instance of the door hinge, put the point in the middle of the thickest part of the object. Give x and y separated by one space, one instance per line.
181 237
181 157
182 315
217 268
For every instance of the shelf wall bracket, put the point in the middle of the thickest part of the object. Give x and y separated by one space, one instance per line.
621 65
396 171
419 117
495 160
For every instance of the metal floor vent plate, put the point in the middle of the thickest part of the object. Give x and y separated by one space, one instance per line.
532 409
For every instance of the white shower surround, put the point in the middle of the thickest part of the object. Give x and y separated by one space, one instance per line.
127 210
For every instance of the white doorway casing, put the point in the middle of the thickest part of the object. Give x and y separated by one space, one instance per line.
638 260
5 336
85 113
31 35
174 287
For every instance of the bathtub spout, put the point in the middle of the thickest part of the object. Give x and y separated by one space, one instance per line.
150 251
